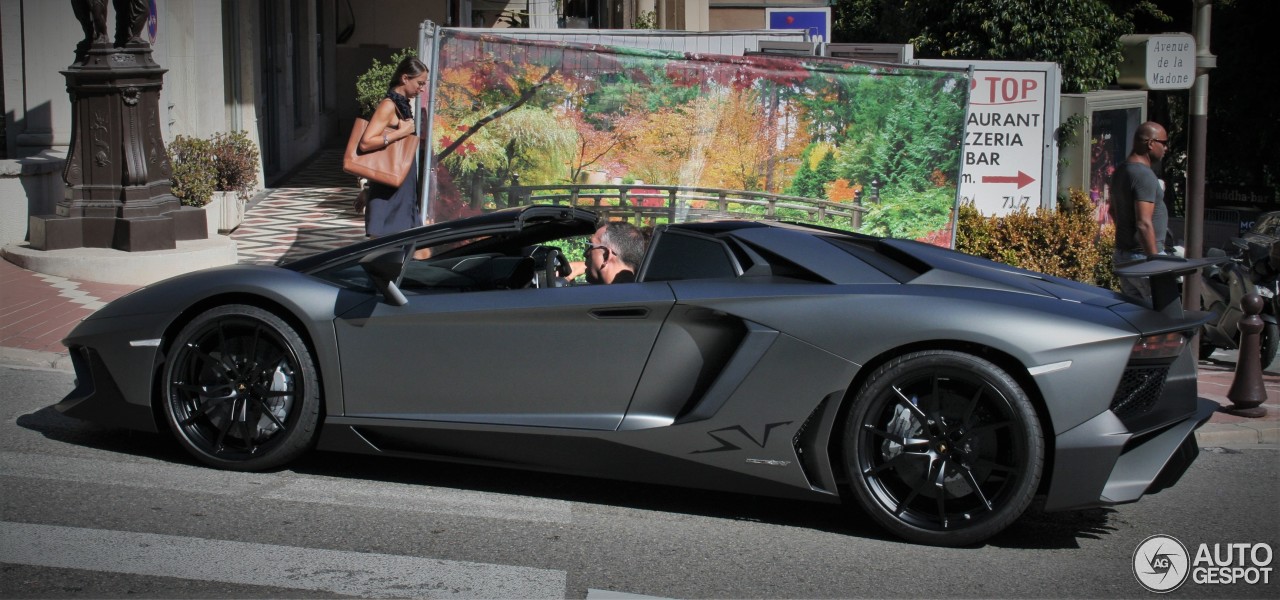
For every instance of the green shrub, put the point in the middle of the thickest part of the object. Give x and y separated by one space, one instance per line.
909 215
645 19
1066 242
194 174
236 161
371 86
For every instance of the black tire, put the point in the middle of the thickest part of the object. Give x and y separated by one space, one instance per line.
241 390
943 448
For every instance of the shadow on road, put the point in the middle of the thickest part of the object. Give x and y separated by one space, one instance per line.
55 426
1035 530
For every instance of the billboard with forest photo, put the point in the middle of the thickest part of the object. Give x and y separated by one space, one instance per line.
661 136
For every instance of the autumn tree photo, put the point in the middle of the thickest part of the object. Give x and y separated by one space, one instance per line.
510 114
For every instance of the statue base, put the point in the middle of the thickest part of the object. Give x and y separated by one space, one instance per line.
137 234
106 265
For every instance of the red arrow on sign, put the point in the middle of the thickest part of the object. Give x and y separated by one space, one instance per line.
1022 179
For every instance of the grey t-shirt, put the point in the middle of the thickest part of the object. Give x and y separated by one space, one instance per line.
1136 182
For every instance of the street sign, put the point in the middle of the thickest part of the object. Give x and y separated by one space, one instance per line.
816 21
1165 61
1003 151
1007 160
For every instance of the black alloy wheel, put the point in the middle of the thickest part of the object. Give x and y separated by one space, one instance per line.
241 390
943 448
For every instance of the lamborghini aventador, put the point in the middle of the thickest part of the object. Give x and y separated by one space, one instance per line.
936 392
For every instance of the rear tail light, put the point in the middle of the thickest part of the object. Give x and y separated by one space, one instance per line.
1163 345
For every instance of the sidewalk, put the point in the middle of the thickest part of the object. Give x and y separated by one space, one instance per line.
312 212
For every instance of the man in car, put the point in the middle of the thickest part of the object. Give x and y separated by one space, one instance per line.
614 253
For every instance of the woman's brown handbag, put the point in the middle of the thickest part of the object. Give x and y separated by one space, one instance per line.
387 166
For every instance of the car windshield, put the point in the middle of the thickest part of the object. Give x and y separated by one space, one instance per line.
467 264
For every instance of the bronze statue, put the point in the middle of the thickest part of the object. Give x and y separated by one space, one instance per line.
92 15
131 17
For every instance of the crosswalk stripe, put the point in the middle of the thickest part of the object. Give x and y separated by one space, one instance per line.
352 573
396 496
593 594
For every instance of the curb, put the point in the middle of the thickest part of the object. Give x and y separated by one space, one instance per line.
1234 434
20 357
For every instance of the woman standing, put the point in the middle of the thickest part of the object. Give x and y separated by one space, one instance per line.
389 210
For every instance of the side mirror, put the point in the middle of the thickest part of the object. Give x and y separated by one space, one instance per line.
384 268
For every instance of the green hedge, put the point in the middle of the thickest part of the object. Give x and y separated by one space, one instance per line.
1066 242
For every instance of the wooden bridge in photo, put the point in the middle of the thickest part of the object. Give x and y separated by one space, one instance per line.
652 204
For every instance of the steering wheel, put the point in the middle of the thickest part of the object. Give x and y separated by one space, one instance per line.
554 265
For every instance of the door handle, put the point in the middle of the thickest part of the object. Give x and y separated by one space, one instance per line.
620 313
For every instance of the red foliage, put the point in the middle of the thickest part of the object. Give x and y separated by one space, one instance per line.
735 72
941 237
646 197
446 201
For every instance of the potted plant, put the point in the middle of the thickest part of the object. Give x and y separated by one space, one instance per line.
236 162
219 174
194 175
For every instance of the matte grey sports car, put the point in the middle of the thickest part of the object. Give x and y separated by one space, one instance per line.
936 391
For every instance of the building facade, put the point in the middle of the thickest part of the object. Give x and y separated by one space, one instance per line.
283 71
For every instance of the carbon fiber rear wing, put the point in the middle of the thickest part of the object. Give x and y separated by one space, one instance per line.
1164 272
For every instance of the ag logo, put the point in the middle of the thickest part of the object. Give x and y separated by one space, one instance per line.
1160 563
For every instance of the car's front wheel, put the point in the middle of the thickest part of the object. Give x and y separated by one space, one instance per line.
241 390
943 448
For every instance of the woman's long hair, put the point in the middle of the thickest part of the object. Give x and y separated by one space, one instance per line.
410 66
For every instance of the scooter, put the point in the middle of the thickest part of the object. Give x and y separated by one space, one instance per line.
1225 286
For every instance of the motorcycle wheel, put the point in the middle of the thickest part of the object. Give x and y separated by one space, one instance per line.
1269 343
1206 349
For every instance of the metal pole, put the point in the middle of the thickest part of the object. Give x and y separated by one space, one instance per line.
1199 122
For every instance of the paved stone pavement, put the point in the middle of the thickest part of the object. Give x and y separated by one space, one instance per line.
312 212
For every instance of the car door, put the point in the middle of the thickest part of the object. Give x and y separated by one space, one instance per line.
554 357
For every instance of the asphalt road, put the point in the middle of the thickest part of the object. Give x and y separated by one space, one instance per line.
89 512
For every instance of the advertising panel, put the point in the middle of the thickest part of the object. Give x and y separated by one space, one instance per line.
669 135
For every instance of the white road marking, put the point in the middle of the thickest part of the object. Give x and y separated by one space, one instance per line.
352 573
612 595
395 496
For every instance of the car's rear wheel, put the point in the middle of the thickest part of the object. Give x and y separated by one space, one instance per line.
241 390
943 448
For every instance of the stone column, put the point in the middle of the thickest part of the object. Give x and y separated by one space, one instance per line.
118 192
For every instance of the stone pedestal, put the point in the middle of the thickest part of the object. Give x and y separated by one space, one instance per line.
117 174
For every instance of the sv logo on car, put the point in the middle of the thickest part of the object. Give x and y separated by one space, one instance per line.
727 445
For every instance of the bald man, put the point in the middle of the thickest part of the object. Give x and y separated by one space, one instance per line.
1137 205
